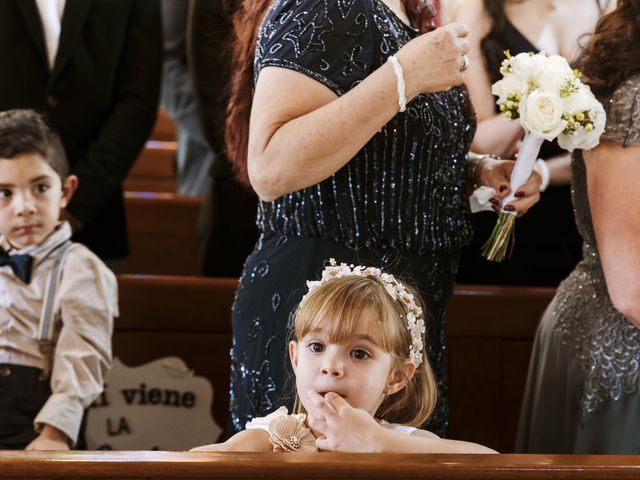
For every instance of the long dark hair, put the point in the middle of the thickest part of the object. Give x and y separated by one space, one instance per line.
494 43
246 23
613 52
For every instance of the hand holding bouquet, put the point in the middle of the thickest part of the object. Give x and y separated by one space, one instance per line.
550 101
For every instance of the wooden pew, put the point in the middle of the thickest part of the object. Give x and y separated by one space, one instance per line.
489 341
162 233
188 317
198 465
154 170
164 129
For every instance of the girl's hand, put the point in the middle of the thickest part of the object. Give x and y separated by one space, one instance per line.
433 61
49 439
496 173
339 427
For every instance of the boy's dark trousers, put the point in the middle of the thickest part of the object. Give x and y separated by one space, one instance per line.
23 392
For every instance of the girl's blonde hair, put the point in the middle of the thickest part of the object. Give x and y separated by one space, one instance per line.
338 304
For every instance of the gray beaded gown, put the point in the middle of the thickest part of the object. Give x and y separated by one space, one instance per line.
582 393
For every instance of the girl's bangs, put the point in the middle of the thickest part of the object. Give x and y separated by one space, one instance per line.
337 306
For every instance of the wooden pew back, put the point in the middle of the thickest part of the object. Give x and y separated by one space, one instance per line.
162 233
489 342
154 170
188 317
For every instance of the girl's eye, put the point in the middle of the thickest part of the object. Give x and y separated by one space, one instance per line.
316 347
42 187
5 193
360 354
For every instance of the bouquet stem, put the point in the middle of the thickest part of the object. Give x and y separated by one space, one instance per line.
500 244
502 239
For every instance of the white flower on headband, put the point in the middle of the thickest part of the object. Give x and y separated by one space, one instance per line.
395 289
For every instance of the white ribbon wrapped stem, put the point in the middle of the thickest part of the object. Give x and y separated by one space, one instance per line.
525 162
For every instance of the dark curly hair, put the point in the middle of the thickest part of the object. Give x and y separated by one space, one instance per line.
24 132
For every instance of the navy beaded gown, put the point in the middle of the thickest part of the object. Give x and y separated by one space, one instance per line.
398 204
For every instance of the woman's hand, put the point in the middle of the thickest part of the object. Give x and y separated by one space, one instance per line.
339 427
496 173
433 61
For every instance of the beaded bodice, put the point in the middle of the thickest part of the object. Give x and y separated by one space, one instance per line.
404 188
605 344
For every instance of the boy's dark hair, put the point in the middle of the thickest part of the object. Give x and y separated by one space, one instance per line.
26 132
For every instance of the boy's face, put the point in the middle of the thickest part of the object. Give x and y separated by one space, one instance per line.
31 197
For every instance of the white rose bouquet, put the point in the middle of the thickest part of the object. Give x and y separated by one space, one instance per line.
550 101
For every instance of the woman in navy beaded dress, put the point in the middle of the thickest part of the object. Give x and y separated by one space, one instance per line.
342 173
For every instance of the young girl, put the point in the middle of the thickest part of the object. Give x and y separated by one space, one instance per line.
363 381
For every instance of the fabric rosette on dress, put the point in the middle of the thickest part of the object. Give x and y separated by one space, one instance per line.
548 98
287 433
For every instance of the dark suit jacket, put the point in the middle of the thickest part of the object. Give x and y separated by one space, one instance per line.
101 96
227 229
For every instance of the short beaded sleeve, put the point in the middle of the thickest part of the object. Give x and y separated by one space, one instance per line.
325 39
623 113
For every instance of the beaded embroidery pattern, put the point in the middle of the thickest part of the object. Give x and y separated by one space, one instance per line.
405 187
402 192
605 343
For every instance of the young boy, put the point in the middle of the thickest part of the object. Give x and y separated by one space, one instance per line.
57 299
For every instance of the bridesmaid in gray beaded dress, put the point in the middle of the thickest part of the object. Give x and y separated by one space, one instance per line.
583 391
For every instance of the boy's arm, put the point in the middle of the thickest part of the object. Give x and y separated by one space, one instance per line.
87 302
255 440
50 438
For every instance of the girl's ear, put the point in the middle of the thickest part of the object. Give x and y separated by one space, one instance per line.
398 379
293 354
69 186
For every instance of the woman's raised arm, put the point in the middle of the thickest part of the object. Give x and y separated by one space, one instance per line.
301 132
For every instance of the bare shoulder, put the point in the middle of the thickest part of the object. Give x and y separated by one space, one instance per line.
255 440
474 16
423 434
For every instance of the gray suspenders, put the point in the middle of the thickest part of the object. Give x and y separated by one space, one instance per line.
47 315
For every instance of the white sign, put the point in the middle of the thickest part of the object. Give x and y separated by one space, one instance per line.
160 405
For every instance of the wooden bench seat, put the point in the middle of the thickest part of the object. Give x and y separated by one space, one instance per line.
198 465
162 233
164 129
488 344
154 170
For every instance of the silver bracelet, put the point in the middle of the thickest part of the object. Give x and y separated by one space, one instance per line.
545 176
397 69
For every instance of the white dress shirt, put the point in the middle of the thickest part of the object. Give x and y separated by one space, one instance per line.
51 16
86 303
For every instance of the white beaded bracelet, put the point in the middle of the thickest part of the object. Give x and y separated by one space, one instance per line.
397 69
545 176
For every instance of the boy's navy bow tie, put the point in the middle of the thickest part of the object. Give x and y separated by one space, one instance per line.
20 264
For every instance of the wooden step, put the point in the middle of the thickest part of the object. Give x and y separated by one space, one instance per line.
162 233
154 170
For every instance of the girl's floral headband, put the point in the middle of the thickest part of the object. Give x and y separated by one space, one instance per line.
397 291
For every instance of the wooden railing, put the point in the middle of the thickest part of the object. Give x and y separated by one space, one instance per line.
199 465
